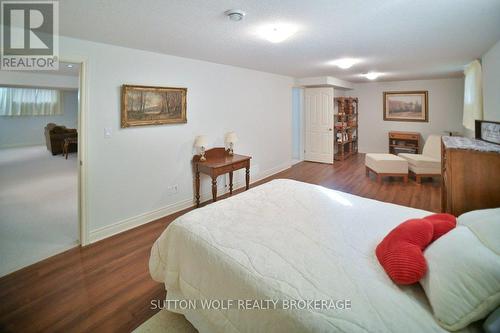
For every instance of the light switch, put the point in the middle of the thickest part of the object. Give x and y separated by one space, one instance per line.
107 132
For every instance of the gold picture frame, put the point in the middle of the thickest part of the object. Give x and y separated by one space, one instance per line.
149 105
406 106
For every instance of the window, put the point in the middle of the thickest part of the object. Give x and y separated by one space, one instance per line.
473 95
29 102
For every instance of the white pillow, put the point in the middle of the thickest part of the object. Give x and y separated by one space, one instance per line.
463 278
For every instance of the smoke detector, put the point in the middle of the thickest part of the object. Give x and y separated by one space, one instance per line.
235 14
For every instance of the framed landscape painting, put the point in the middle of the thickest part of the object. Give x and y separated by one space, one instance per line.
406 106
145 105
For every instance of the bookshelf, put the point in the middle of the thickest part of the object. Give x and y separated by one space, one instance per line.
346 127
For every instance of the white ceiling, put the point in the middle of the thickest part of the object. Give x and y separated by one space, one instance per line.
68 68
407 39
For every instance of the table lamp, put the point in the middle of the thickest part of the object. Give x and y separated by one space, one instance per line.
231 139
201 142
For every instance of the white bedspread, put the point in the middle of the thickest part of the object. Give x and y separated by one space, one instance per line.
290 240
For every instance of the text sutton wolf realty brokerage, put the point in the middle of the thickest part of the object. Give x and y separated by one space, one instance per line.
29 35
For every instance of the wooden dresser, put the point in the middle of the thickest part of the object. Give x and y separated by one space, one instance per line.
404 142
471 175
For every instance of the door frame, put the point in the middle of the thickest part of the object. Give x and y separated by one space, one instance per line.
302 129
82 144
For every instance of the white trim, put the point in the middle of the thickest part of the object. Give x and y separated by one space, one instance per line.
136 221
323 81
295 161
20 145
133 222
301 125
82 142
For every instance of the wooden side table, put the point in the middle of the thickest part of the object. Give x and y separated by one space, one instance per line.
219 162
66 143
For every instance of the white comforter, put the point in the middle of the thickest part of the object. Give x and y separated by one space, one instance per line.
289 240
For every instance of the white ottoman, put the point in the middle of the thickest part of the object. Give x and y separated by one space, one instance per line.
386 165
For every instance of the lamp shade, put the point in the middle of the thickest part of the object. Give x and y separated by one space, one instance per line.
201 141
231 137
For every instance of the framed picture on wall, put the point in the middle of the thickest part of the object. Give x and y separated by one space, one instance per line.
146 105
406 106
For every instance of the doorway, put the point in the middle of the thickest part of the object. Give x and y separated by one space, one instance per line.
39 166
318 124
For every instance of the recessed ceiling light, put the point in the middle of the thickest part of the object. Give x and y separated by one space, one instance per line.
235 14
278 32
69 65
345 63
371 75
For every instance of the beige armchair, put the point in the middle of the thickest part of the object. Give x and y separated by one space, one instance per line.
427 164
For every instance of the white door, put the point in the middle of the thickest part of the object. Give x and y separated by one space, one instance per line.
318 110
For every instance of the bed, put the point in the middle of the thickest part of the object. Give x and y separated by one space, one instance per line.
288 240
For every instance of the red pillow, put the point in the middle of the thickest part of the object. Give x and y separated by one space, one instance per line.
400 252
442 224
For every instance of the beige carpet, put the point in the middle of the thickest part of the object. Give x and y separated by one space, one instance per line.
38 206
166 321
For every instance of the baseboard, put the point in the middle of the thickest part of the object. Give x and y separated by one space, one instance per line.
273 171
295 161
136 221
22 145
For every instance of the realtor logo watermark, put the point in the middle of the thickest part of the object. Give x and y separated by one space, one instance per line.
30 35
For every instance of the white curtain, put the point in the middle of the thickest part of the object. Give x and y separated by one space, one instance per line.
473 95
29 102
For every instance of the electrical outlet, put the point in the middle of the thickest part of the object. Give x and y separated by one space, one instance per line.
172 189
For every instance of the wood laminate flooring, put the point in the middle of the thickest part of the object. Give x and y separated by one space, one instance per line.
106 287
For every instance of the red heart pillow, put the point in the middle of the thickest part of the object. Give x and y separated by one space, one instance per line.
400 252
442 224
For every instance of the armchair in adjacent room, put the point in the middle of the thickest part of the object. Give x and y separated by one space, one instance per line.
55 135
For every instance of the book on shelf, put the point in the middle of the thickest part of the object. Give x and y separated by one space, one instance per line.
404 150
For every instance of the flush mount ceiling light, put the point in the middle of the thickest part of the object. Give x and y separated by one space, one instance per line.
235 14
371 75
345 63
69 65
277 32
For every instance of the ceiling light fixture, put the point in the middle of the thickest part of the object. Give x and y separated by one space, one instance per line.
371 75
69 65
235 14
345 63
276 33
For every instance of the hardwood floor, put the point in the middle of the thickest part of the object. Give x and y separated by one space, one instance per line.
106 287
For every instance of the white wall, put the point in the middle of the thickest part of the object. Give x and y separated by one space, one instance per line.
445 110
38 80
129 173
491 83
29 130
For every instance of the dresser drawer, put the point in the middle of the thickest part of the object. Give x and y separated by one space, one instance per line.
224 169
239 165
403 136
229 168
